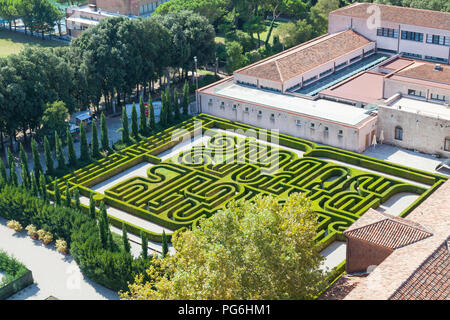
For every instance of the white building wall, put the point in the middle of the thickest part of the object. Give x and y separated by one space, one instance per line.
392 87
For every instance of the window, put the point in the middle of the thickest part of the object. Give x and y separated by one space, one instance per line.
412 36
272 116
340 133
369 52
398 133
447 144
436 39
416 93
210 102
325 72
312 125
412 55
437 59
222 105
340 65
309 80
234 107
355 59
259 113
246 110
387 32
438 97
325 130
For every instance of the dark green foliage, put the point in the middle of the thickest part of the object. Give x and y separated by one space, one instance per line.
57 198
48 158
71 150
142 118
125 130
24 166
59 152
76 195
13 180
144 245
34 186
84 147
151 116
126 243
36 159
103 225
164 244
104 133
163 113
185 100
3 174
176 104
92 206
134 123
95 148
43 187
169 106
68 197
25 179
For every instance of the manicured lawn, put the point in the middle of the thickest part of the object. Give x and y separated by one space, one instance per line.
13 42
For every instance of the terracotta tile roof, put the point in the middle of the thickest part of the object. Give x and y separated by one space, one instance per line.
431 281
390 233
426 71
402 15
305 57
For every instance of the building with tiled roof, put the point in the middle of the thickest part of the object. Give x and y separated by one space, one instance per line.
417 269
418 33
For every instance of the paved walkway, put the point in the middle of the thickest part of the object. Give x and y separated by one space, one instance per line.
334 254
54 274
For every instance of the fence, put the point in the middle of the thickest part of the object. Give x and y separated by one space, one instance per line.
16 285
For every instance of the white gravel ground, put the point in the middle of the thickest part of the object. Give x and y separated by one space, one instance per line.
334 254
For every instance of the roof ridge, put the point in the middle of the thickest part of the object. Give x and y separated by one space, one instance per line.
279 71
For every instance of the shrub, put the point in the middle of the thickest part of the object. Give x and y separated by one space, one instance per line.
31 230
15 225
61 245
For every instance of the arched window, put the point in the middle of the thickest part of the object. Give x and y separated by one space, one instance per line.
447 144
398 133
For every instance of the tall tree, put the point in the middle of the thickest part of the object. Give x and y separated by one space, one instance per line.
95 148
169 106
144 245
142 118
70 150
68 196
92 213
151 114
13 180
104 133
125 129
176 104
57 191
76 195
84 146
36 159
134 123
48 158
24 166
164 244
126 243
185 102
59 152
3 175
43 187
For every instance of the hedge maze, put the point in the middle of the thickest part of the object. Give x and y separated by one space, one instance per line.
198 182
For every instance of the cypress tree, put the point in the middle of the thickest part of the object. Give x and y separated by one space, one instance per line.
134 123
125 129
57 193
176 105
162 114
3 175
76 195
169 109
43 187
71 150
126 243
151 116
68 202
164 245
142 118
84 147
49 166
101 224
92 206
23 176
95 149
104 133
59 152
185 100
144 245
34 186
12 169
24 166
36 159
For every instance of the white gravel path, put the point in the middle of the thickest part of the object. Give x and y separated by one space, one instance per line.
334 254
398 202
54 274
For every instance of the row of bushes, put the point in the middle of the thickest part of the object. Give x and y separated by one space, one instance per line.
16 276
113 269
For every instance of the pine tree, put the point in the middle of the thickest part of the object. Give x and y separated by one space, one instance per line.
49 166
125 129
134 123
68 202
169 109
144 245
43 187
151 116
71 150
24 166
92 206
3 174
185 100
36 159
104 133
164 245
57 193
84 147
176 105
13 180
59 152
95 149
142 118
126 243
76 195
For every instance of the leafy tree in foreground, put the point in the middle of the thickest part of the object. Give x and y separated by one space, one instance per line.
258 249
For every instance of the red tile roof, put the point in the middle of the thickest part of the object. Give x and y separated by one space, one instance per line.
426 71
390 233
402 15
431 281
304 57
